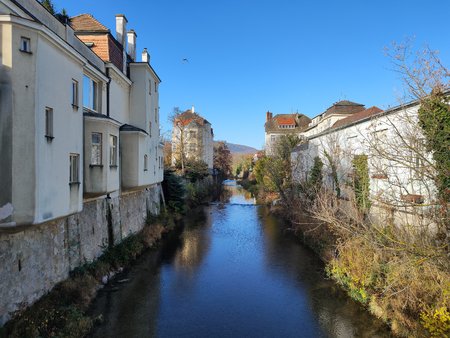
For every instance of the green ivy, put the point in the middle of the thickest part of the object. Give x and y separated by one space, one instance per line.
315 175
361 182
334 174
434 119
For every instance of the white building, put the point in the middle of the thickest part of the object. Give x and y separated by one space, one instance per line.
78 120
283 124
391 142
192 136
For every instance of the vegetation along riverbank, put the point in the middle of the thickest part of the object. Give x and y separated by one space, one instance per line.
63 311
393 261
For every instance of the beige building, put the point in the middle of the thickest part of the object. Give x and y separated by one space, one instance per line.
192 138
283 124
81 158
90 131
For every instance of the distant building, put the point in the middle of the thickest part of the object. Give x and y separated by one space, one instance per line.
192 137
283 124
328 118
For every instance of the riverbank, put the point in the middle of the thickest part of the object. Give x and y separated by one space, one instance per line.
232 272
63 311
392 273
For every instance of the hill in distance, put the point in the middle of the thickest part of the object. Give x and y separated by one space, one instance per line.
240 149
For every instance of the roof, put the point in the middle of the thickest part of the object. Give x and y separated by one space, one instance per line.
87 23
188 116
299 121
129 127
344 107
357 116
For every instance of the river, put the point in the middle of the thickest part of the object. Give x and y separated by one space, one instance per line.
232 272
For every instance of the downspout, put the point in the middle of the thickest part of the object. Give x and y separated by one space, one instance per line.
107 91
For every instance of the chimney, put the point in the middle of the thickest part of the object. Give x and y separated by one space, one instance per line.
268 116
145 56
121 28
131 37
193 109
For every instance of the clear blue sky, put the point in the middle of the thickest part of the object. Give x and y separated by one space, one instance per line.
250 56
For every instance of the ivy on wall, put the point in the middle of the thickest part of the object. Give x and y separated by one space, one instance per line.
361 182
434 119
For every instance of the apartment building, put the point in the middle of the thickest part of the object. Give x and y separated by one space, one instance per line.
192 137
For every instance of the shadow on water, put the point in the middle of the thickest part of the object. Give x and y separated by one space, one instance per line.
232 272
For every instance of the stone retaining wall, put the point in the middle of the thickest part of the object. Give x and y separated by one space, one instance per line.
35 259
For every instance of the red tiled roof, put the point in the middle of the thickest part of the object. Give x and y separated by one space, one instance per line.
285 120
188 116
87 23
357 116
299 121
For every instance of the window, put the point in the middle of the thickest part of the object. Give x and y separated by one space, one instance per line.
192 147
74 170
49 123
96 149
145 162
25 44
156 115
75 94
90 93
113 150
149 87
156 87
150 129
192 134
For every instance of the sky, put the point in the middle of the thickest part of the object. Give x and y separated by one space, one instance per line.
247 57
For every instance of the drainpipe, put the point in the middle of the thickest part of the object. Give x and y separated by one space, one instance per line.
107 92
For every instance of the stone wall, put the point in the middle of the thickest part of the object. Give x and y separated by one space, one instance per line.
37 257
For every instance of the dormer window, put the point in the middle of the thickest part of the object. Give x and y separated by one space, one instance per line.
25 44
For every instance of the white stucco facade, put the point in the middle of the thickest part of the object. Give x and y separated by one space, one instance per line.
72 125
396 161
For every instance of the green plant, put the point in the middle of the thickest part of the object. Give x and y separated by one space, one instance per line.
434 119
361 182
333 173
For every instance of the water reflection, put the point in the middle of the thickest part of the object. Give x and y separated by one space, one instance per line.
232 272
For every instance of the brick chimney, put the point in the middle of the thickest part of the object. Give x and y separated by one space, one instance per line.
131 37
121 28
268 116
145 56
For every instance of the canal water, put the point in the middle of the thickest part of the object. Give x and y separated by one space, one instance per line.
232 272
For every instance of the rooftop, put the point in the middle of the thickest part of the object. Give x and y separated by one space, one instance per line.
357 116
87 23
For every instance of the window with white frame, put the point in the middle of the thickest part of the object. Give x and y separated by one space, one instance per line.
49 123
25 44
74 168
96 149
90 93
113 150
75 94
145 162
